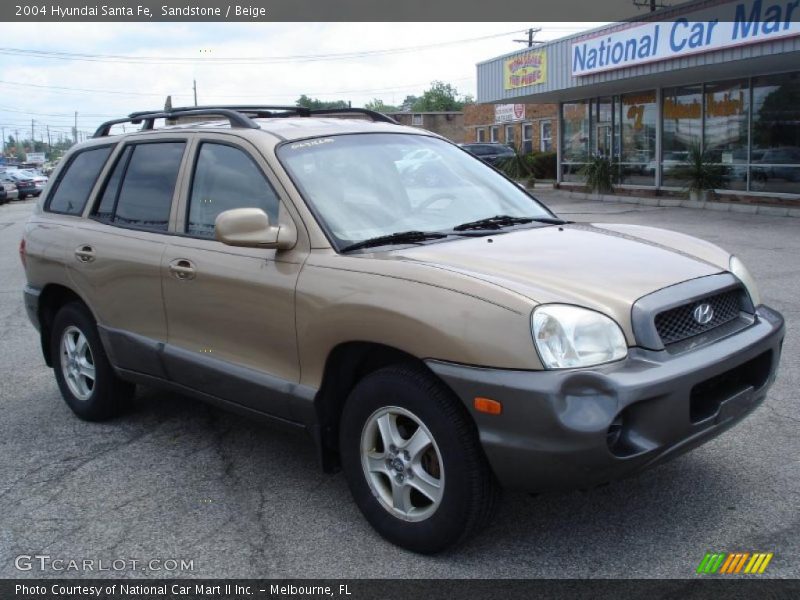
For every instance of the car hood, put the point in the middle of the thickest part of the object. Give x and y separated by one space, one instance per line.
600 266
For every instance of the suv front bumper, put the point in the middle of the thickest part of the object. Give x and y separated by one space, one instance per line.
580 428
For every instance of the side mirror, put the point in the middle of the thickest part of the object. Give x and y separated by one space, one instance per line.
250 228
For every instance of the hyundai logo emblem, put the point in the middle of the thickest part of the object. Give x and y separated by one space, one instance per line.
703 313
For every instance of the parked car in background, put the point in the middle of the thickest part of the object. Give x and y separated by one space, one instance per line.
28 182
490 153
8 190
778 163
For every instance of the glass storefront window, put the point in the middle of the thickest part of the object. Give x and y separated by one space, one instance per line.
775 155
683 128
751 126
637 154
575 139
727 107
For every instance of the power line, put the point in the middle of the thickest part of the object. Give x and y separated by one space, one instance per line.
189 95
120 58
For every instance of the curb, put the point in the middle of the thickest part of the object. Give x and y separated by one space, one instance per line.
753 209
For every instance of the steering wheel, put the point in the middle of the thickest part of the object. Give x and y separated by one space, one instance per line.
435 198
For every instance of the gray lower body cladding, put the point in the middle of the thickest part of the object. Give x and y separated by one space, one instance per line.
581 428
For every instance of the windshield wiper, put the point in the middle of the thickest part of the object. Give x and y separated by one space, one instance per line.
401 237
500 221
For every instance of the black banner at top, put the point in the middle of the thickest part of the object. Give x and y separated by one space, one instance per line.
536 11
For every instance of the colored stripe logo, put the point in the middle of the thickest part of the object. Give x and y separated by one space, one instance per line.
734 563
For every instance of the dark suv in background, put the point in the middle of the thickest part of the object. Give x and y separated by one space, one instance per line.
491 153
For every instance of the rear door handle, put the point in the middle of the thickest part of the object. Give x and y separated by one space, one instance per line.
182 269
85 254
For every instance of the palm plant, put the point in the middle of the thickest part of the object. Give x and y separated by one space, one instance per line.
518 168
599 174
700 172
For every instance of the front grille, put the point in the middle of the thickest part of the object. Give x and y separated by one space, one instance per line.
678 323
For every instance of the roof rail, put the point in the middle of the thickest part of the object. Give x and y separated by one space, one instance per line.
235 118
238 115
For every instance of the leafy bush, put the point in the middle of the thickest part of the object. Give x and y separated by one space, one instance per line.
699 171
517 167
543 164
599 174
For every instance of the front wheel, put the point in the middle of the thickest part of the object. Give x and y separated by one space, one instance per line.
412 459
87 380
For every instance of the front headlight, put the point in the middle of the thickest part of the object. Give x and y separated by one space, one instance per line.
570 336
742 274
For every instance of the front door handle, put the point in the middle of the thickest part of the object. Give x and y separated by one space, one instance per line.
85 254
182 269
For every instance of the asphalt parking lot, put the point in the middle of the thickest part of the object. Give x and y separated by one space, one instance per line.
175 479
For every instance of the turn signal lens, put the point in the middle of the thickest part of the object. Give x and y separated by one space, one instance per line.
488 406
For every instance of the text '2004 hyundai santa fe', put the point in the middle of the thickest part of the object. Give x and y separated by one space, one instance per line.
437 331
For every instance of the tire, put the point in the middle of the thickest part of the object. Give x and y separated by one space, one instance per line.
404 401
97 399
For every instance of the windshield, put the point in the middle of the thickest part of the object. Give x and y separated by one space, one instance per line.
368 185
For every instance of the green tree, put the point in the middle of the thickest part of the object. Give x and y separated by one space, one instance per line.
408 103
378 105
441 96
316 104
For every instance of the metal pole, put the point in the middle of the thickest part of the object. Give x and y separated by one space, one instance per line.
194 87
75 129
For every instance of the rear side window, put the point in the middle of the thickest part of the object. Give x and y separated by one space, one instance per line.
76 182
224 178
139 191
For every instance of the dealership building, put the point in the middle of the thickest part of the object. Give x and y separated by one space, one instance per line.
723 76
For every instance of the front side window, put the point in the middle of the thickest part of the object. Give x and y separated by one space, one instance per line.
139 192
225 178
76 183
367 185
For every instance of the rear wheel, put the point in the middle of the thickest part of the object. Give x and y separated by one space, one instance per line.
86 379
413 461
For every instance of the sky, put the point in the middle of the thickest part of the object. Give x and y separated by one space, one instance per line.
171 55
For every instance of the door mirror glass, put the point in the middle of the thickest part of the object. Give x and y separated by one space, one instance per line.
250 227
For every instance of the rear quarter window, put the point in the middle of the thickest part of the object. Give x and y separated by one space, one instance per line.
75 183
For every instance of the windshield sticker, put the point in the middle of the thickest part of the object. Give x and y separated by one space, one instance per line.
310 143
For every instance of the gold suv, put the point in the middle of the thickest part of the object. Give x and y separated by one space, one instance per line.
436 330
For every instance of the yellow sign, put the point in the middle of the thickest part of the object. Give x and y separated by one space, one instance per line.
525 69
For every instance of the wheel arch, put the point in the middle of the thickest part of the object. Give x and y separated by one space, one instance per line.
346 365
51 299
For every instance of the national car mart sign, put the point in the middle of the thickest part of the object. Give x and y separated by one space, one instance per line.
705 30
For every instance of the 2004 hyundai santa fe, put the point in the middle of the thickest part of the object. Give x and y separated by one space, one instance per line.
436 330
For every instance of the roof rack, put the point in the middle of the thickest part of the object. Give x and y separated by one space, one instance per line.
238 115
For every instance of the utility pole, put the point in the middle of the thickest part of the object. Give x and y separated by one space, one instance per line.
75 129
4 140
33 139
531 32
194 87
49 144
